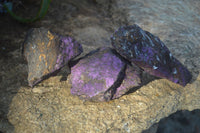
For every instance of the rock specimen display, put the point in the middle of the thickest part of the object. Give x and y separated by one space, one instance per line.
50 106
47 52
103 75
149 53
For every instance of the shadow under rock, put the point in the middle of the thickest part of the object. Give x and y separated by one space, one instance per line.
179 122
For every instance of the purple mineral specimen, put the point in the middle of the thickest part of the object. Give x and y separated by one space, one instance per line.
46 53
98 76
131 79
149 53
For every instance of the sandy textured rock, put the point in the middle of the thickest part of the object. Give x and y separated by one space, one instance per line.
58 111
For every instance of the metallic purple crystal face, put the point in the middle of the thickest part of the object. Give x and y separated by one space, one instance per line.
97 76
46 53
149 53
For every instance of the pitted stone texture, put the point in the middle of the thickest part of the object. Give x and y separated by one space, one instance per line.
46 53
149 52
97 76
58 111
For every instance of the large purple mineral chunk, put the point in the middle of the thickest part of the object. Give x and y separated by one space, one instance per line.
47 52
98 76
149 52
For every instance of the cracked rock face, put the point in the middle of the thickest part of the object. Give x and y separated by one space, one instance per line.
103 75
149 53
47 52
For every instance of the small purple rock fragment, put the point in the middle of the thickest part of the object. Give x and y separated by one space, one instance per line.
149 53
131 79
47 52
97 76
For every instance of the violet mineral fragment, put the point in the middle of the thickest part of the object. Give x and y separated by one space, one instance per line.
47 52
132 78
101 76
149 53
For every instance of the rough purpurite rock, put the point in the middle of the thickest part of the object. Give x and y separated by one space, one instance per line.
103 75
149 53
47 52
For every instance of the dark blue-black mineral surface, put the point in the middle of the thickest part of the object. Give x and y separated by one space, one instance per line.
149 53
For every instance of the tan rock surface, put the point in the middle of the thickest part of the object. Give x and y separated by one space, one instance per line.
56 110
